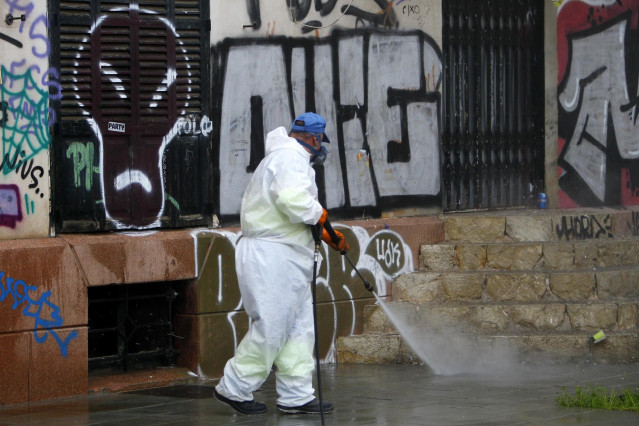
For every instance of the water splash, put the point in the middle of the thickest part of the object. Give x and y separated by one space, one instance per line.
448 351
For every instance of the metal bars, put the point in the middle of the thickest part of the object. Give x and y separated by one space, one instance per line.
492 108
131 326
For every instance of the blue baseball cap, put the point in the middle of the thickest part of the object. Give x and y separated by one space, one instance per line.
309 122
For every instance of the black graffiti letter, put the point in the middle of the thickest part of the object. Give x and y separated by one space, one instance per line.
253 7
3 120
257 134
299 8
36 169
399 151
326 8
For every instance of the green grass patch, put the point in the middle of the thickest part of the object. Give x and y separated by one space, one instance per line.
599 397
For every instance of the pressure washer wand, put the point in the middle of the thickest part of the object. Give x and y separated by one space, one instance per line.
317 234
335 239
368 285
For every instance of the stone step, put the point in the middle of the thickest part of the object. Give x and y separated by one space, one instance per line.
532 255
512 318
450 354
603 284
541 225
533 284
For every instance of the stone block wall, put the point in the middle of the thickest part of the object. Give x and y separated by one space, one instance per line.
528 278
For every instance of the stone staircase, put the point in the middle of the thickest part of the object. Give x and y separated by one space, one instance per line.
520 286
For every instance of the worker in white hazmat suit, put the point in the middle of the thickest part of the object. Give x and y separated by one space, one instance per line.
274 265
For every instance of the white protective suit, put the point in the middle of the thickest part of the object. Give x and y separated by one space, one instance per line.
274 265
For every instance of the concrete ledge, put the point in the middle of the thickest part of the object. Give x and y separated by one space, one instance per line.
134 380
40 285
414 230
134 257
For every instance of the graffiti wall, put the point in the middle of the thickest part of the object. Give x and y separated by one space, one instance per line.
598 69
25 117
341 293
184 145
373 73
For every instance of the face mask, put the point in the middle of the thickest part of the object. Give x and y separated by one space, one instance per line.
317 156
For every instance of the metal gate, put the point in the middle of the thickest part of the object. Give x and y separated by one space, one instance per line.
493 104
131 326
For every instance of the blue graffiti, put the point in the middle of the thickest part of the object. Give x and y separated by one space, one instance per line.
36 309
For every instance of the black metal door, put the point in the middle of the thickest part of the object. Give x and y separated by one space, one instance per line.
493 104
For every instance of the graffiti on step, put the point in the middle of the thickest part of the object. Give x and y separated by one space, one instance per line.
45 314
583 227
379 258
388 251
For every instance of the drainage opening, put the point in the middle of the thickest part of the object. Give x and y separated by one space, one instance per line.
131 326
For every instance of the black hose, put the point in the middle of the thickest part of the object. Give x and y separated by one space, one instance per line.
368 285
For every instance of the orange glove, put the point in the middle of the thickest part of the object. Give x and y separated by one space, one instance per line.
323 218
341 246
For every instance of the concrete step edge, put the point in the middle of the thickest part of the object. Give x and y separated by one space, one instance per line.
516 318
539 270
544 225
540 348
533 255
609 283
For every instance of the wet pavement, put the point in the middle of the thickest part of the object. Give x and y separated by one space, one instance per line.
362 395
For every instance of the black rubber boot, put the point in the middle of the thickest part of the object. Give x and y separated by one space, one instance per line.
311 407
243 407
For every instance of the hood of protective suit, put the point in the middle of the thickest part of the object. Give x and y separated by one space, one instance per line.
279 139
280 201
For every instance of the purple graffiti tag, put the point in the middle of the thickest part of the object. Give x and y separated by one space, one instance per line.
35 36
51 79
10 208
